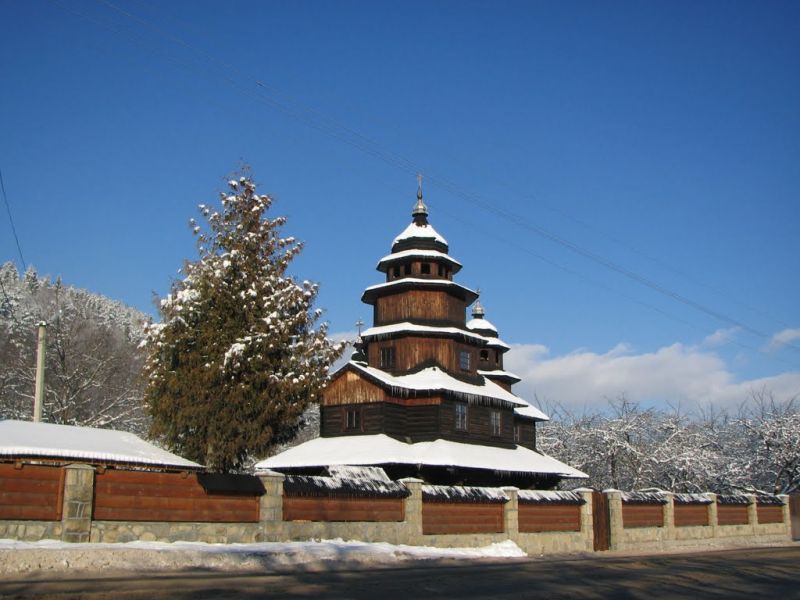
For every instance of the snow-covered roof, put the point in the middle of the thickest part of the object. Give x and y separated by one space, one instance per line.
691 499
346 480
549 497
460 493
733 499
481 323
24 439
406 327
644 498
500 373
531 411
380 449
420 283
434 379
419 231
418 253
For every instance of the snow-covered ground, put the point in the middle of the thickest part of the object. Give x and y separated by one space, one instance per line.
51 555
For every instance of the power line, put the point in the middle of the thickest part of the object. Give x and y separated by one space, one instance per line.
11 221
318 121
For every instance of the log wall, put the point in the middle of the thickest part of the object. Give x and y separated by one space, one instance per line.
350 388
413 350
312 508
420 306
461 517
534 518
642 515
169 497
32 492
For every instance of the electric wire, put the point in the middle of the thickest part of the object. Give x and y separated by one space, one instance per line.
11 221
316 120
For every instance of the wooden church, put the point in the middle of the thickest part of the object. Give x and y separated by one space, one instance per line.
425 393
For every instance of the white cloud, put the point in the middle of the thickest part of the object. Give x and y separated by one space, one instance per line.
720 337
784 337
677 374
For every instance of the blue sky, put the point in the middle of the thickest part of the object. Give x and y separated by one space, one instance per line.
662 138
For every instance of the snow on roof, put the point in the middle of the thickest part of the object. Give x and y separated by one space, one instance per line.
380 449
434 379
419 231
414 253
549 497
417 281
733 499
644 498
531 411
691 499
499 373
765 499
406 327
481 323
23 439
460 493
346 480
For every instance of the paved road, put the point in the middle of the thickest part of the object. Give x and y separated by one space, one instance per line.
752 573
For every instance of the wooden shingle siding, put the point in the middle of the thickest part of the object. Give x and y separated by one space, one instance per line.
534 518
732 514
170 497
691 514
306 508
350 388
461 517
33 492
642 515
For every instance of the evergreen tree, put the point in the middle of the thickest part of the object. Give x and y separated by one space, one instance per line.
236 358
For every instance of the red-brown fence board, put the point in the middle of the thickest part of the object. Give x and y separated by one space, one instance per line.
313 508
732 514
534 518
169 497
687 515
458 517
770 514
33 492
642 515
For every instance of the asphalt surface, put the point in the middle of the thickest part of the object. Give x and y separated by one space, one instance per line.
749 573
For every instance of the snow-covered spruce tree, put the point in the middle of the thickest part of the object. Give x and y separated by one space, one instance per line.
236 358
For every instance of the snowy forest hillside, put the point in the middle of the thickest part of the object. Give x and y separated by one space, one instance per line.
93 364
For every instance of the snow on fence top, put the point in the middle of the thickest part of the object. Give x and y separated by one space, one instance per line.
733 499
67 443
549 497
644 498
458 493
691 499
359 482
769 500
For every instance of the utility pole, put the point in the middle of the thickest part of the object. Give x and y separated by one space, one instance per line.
39 396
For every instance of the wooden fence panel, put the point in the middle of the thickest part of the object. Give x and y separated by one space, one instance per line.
687 515
642 515
732 514
315 508
169 497
32 493
462 517
534 518
769 514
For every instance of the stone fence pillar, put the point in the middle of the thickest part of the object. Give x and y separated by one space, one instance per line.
511 513
412 526
271 503
587 517
787 515
713 520
752 512
76 512
615 524
669 516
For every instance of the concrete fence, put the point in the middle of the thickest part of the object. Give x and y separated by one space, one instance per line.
165 507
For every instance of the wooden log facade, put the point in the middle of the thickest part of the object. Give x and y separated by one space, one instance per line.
426 307
31 492
169 497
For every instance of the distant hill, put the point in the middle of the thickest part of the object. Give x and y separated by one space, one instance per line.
93 363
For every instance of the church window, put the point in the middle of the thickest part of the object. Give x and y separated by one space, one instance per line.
441 270
461 416
396 272
484 355
495 423
517 433
387 357
463 360
425 268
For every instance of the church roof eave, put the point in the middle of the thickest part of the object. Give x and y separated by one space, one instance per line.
374 291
